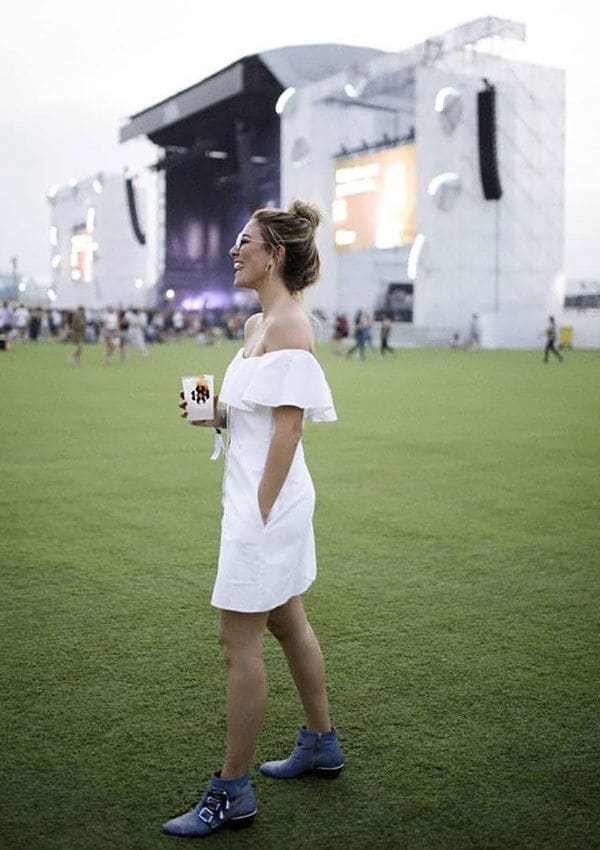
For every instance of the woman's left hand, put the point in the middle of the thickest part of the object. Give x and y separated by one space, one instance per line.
204 423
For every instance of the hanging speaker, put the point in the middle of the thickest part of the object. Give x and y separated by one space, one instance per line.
133 216
488 158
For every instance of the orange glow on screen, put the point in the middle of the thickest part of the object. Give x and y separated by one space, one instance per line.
375 199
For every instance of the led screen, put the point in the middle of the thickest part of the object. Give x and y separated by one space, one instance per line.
375 199
82 255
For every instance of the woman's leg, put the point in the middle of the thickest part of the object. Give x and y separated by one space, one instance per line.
289 625
241 638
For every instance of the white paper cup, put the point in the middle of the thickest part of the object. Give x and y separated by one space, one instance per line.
198 392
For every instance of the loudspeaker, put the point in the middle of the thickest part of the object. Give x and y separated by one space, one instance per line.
488 159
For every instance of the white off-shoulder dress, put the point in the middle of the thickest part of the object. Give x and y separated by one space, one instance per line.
261 565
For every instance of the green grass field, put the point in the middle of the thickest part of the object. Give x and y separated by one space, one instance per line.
457 605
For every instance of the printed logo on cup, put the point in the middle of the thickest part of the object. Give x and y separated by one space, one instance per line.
201 392
198 392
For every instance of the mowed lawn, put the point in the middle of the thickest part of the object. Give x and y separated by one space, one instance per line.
457 605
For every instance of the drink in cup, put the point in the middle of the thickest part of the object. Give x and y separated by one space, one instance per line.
198 392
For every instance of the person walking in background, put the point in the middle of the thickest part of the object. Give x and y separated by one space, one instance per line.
386 327
551 340
341 332
110 332
473 340
137 331
77 336
267 557
359 336
367 327
21 322
6 320
124 335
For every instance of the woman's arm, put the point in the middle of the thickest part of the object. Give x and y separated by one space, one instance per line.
286 436
290 331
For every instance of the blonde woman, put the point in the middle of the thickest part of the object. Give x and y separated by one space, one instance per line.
267 553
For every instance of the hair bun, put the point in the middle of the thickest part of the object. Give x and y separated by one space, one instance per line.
302 209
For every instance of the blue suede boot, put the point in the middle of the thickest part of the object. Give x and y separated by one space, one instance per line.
228 803
315 752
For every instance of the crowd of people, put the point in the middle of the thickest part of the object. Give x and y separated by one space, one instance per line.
123 329
362 334
119 329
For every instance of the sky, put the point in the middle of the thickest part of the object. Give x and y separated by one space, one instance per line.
71 72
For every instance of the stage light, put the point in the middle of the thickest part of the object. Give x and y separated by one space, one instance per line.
139 283
53 235
356 81
51 295
90 220
170 294
55 261
97 186
445 189
284 100
52 192
339 210
22 286
414 256
259 160
73 183
449 105
345 237
216 154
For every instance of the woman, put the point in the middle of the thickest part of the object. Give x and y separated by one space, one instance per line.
267 555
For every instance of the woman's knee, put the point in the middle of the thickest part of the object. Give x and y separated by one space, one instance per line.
239 644
288 622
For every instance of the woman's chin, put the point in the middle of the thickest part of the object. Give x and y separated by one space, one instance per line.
240 283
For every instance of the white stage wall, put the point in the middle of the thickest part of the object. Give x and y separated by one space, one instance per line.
119 260
501 259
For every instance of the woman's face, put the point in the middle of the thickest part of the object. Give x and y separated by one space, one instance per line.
250 256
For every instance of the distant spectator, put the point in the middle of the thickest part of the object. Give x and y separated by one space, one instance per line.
473 340
110 333
124 335
6 319
386 328
359 336
341 332
551 340
178 322
35 324
136 331
77 336
21 321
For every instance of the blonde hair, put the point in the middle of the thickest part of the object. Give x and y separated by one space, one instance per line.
294 231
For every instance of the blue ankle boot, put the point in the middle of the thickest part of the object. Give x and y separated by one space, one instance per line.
228 803
315 752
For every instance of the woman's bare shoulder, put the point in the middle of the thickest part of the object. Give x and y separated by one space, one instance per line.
251 323
291 329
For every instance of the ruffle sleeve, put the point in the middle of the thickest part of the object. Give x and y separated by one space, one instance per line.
285 377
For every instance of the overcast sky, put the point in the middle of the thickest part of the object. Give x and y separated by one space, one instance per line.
70 71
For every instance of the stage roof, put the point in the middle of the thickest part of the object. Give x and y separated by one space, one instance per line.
247 79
